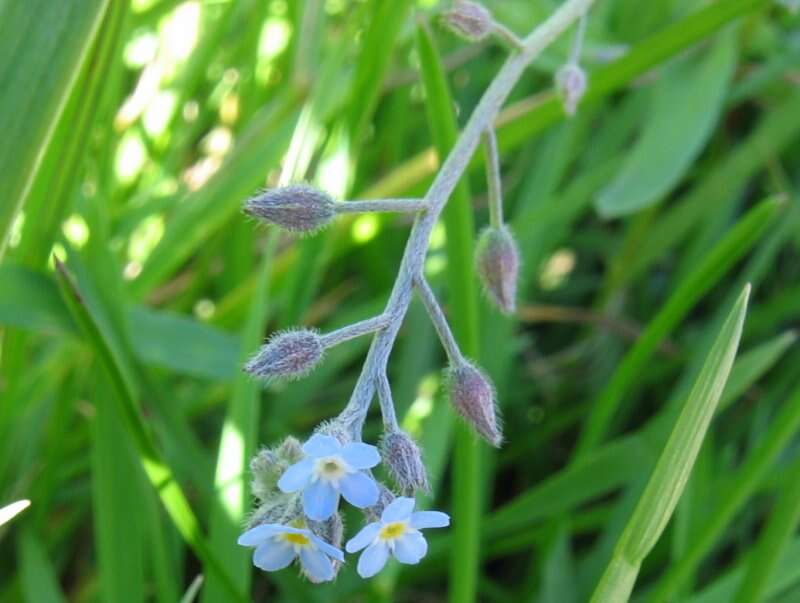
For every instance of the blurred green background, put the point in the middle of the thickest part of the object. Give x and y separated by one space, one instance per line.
133 131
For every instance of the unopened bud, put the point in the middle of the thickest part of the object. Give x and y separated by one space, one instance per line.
470 20
298 208
336 429
472 395
402 456
571 82
497 260
289 354
267 466
281 509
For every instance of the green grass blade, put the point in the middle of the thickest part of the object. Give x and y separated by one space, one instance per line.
160 475
697 85
773 540
237 445
715 265
675 464
38 576
40 60
463 304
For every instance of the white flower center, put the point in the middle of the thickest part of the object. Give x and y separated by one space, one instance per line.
330 468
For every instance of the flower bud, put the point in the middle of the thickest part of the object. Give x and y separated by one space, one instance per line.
297 208
571 82
279 509
472 395
267 466
497 260
336 429
402 456
469 20
289 354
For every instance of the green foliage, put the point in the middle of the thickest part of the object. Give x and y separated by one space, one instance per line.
133 132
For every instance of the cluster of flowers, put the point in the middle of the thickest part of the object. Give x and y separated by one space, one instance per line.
298 487
298 517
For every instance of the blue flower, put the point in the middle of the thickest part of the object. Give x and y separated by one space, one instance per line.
328 470
278 545
398 533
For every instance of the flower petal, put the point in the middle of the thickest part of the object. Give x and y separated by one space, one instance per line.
398 510
257 535
359 490
410 548
328 549
296 477
429 519
321 445
360 456
273 555
364 538
372 560
320 500
316 564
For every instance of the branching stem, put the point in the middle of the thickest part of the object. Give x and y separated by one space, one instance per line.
493 178
450 173
387 404
355 330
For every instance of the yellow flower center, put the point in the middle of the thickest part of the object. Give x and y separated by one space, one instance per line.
299 539
393 530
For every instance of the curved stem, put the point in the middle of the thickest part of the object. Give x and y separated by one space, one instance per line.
439 321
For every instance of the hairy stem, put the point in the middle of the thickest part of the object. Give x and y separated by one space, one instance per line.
453 167
381 205
356 330
387 404
495 189
439 321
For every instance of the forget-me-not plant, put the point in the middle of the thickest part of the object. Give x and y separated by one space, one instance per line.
396 533
328 469
298 487
276 546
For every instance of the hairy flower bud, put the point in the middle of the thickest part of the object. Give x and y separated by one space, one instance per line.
402 456
336 429
472 395
469 20
497 260
298 208
267 466
289 354
571 82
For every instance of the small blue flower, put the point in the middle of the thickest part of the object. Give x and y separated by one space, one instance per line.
328 470
278 545
398 533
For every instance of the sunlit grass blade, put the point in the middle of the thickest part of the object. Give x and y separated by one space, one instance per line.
463 305
160 475
40 60
9 512
715 265
655 507
236 447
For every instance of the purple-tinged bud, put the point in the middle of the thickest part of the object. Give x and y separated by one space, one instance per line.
571 83
472 395
403 458
297 208
470 20
331 530
289 354
497 260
